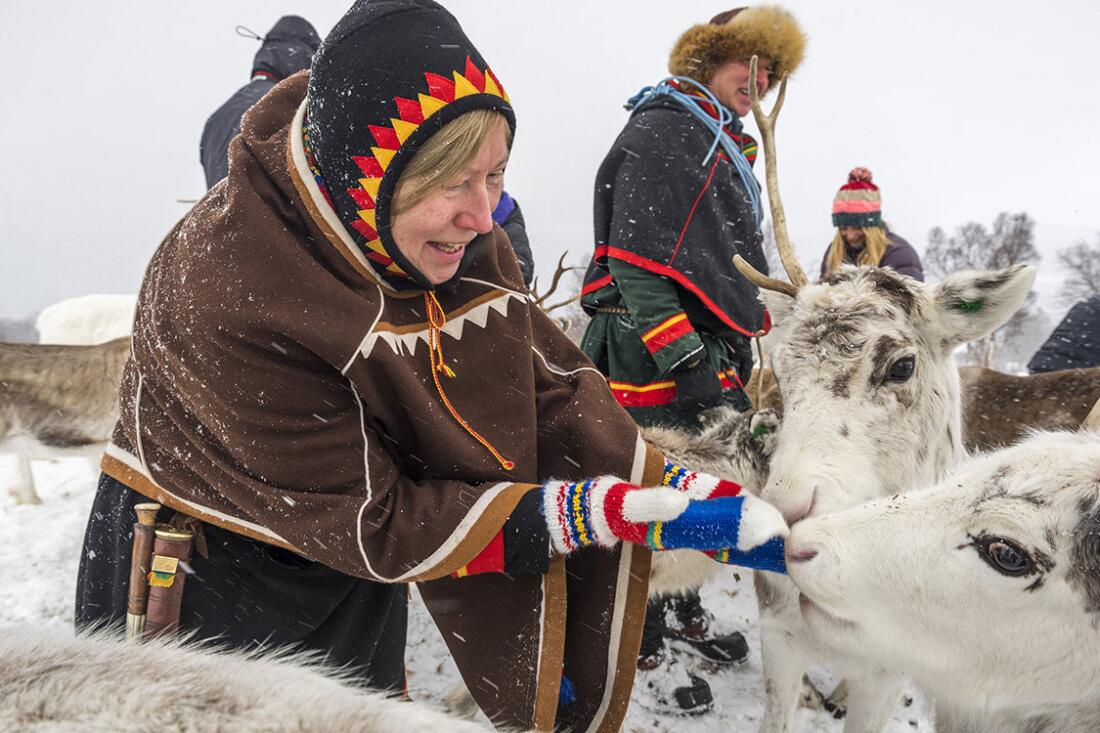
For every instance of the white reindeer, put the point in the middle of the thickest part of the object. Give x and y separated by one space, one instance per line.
985 588
871 408
88 319
53 681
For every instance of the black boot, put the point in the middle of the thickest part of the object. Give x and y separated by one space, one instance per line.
664 685
689 626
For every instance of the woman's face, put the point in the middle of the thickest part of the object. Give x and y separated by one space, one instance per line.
433 234
730 83
853 236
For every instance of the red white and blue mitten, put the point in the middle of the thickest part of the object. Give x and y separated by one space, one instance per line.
770 556
605 510
698 485
760 528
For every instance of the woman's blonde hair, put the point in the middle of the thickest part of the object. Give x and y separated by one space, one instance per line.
875 244
446 154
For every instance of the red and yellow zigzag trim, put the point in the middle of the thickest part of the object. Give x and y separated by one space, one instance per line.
667 331
389 139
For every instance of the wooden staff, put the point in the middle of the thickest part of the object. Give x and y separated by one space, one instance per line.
141 551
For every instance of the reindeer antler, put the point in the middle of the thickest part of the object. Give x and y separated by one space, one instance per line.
766 123
540 299
761 280
1092 420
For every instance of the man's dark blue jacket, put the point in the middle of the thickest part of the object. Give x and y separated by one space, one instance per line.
287 49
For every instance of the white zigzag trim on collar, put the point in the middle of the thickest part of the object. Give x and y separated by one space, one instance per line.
402 343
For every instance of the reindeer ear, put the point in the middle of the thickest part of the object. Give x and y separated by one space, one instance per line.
778 304
974 303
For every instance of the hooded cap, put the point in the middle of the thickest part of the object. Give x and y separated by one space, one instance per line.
858 203
287 48
390 75
762 30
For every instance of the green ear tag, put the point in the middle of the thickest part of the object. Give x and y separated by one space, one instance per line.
970 306
760 430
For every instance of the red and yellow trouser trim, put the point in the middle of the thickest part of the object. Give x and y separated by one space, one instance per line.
666 332
656 394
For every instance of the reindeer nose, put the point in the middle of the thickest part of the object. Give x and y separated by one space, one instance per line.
800 554
797 514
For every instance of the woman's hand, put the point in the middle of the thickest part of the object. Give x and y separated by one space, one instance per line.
770 556
741 522
606 510
761 529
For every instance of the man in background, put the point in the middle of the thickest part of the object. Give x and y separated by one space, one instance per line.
286 49
675 199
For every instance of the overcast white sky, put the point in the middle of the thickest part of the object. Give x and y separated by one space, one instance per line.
961 110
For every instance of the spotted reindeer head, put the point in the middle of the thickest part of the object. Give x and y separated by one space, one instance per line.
863 362
870 389
986 587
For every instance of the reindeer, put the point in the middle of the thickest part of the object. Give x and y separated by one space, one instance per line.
871 401
997 408
985 588
53 681
56 397
88 319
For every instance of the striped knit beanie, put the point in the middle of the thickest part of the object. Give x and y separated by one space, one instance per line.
857 203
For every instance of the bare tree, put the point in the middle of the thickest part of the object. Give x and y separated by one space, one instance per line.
1082 262
972 246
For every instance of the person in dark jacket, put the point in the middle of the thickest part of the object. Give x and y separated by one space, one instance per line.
287 49
675 200
1074 344
510 218
861 236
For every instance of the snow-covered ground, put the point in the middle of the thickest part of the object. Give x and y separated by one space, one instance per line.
39 550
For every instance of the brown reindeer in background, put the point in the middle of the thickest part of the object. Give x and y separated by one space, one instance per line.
997 408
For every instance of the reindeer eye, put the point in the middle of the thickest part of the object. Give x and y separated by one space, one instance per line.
901 369
1005 557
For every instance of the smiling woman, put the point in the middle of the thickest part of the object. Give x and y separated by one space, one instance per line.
338 375
447 194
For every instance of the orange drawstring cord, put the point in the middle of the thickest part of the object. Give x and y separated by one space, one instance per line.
437 319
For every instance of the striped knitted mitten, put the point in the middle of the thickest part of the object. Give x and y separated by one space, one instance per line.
759 541
605 510
770 556
602 511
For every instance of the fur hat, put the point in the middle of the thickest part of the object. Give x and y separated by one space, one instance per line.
858 203
763 30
